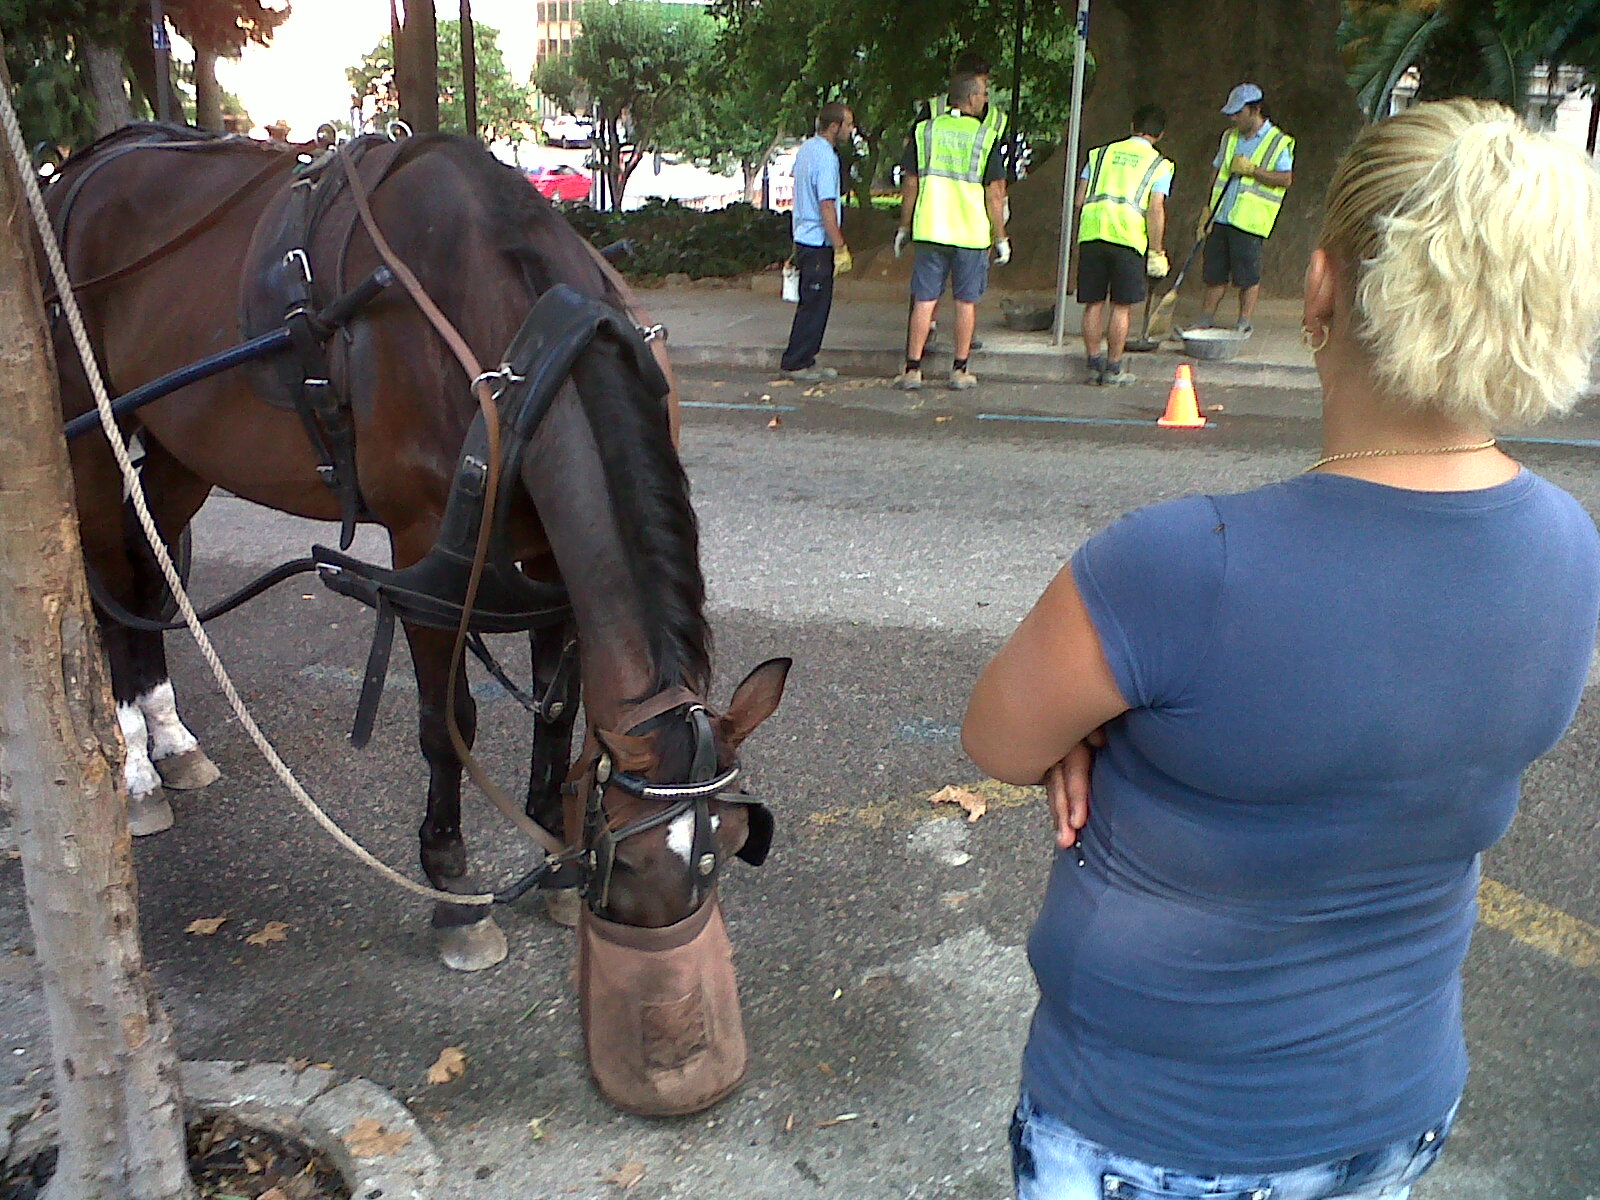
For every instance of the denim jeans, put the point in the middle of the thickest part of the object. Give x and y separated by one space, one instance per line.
1049 1161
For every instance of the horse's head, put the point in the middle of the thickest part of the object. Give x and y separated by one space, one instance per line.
669 810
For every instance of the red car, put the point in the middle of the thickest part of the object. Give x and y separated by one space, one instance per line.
560 182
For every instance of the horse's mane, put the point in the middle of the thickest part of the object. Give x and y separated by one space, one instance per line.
645 479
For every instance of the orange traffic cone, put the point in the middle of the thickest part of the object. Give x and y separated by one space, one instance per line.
1183 412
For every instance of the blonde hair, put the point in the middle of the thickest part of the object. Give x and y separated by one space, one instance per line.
1476 244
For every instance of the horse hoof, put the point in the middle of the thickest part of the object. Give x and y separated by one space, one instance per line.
149 813
474 947
561 906
187 771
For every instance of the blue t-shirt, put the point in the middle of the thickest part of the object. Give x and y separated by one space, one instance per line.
1334 687
816 178
1248 146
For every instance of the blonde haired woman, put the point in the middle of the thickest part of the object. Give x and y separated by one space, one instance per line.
1316 700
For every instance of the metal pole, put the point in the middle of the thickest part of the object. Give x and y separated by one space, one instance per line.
1069 186
1016 89
469 69
163 54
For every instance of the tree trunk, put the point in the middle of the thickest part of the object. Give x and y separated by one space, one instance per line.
207 91
419 82
1185 55
116 1067
108 82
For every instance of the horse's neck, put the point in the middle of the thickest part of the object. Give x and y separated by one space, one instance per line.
565 476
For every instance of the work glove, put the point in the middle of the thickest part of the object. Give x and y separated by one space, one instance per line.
901 237
1156 265
1202 227
1241 166
1002 252
842 262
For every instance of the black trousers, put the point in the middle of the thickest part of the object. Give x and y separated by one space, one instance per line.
811 314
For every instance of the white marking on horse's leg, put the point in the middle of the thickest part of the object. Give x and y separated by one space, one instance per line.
168 734
137 769
680 836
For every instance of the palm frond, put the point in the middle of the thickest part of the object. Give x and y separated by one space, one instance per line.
1403 41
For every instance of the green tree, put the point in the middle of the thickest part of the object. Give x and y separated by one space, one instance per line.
503 104
883 59
637 60
727 124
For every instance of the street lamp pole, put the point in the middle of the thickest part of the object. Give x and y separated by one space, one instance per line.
1016 88
1069 183
163 55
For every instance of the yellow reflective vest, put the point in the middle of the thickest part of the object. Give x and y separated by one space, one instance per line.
1255 204
995 117
1122 178
952 151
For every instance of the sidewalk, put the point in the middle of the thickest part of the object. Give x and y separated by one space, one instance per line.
747 325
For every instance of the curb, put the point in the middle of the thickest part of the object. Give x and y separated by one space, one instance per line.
1003 367
314 1105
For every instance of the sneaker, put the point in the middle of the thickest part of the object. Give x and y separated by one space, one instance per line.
812 374
1245 328
908 381
977 344
960 381
1115 376
1096 365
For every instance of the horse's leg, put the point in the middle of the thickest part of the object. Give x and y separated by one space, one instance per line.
469 939
107 554
174 494
552 750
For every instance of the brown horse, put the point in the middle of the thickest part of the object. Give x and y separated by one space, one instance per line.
175 246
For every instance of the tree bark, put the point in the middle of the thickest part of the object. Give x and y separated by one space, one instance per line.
207 91
121 1114
108 81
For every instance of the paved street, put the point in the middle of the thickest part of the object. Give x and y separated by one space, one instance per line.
887 543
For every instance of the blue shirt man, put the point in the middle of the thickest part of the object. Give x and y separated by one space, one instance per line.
820 252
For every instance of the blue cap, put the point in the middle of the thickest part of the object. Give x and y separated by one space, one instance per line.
1245 93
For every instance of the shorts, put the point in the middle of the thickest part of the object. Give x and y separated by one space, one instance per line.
1108 267
966 268
1051 1161
1232 255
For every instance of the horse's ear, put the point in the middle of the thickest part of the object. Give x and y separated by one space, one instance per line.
629 753
754 700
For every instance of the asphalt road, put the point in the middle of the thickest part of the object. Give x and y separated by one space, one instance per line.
880 949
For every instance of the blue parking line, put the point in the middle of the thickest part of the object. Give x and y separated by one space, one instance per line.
1151 424
1543 441
739 407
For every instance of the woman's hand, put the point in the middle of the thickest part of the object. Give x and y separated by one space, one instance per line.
1066 788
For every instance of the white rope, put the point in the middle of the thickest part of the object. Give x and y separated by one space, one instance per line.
130 475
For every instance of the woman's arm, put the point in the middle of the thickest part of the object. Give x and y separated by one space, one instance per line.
1047 689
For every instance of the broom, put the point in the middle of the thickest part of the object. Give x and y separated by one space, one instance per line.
1160 321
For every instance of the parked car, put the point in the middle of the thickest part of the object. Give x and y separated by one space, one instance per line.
567 130
560 182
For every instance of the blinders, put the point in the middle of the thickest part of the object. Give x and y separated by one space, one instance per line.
691 798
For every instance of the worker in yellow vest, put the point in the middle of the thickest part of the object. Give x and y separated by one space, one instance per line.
952 200
1253 169
1122 223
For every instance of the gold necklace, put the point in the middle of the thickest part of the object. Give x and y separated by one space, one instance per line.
1322 462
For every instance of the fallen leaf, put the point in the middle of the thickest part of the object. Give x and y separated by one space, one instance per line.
274 1193
368 1139
839 1120
973 804
718 383
272 931
298 1065
780 383
775 423
1216 408
536 1126
940 420
625 1176
788 1123
204 926
451 1064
